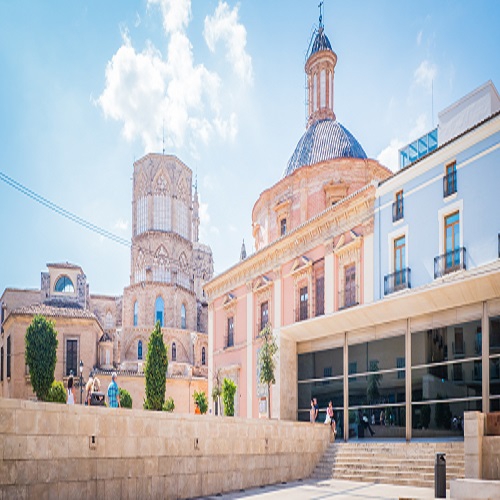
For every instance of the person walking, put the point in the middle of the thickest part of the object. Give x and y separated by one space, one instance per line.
330 419
113 392
70 393
316 410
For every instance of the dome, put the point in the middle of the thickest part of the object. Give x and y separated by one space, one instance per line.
324 140
321 42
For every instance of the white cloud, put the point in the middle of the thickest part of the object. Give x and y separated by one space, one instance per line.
171 96
121 224
224 26
425 74
419 37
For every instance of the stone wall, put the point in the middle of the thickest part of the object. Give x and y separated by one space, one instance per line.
59 451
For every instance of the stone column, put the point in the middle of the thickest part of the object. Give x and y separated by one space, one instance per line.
329 279
473 444
251 369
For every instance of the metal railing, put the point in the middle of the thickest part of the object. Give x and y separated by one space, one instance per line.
397 281
450 183
450 262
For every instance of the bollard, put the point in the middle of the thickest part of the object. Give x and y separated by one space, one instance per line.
440 476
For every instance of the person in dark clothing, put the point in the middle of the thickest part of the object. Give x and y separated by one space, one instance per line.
365 422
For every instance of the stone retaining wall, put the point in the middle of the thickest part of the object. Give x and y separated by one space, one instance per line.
59 451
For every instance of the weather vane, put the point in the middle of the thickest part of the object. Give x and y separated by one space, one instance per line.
320 14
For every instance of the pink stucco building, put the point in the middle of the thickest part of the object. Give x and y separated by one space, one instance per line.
313 235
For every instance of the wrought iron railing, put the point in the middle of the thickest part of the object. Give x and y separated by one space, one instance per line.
450 183
397 281
397 210
450 262
349 298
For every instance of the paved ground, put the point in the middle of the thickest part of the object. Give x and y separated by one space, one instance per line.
332 489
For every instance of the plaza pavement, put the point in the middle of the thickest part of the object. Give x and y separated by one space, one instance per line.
334 489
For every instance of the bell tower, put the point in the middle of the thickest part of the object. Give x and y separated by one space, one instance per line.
320 71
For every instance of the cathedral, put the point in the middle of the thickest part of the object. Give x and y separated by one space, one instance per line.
169 266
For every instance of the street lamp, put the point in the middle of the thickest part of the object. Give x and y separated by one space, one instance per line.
81 381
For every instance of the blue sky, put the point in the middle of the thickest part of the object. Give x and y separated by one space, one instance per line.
88 87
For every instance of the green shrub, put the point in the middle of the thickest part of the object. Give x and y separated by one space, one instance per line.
228 392
156 371
201 399
57 393
40 355
125 398
169 405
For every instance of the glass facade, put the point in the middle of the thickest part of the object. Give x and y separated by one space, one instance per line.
495 363
418 148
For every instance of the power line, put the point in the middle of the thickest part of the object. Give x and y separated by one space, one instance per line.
62 211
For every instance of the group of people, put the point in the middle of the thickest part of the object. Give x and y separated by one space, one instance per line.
94 386
330 415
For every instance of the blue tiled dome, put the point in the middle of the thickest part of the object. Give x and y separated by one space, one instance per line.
321 42
324 140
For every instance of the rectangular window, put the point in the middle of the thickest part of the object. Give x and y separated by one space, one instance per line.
322 89
1 364
264 315
71 357
303 313
315 92
230 331
400 261
452 241
397 207
400 363
327 372
458 345
350 285
8 356
450 180
283 227
320 296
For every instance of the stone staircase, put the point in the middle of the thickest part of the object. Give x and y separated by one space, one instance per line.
388 462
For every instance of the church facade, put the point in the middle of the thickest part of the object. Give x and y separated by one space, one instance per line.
168 269
382 289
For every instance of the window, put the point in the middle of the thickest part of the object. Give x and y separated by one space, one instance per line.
136 312
203 356
159 310
71 357
315 92
108 321
230 331
182 219
264 315
162 213
139 350
327 371
452 240
8 356
283 227
450 180
320 296
397 207
183 316
322 89
458 344
174 352
400 363
350 285
64 285
1 364
399 262
303 303
353 368
142 215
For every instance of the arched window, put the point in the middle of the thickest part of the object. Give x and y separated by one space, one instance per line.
203 356
64 285
174 351
159 309
109 321
136 312
139 349
183 316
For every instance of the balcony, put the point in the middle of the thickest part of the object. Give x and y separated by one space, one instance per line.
349 298
397 210
450 262
450 184
397 281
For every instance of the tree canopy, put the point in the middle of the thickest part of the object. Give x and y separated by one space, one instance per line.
156 370
267 364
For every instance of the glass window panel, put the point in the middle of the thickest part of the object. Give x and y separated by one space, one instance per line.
332 390
387 421
312 365
385 351
495 335
377 389
448 380
441 419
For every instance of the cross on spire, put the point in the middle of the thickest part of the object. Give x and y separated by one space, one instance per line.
321 14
